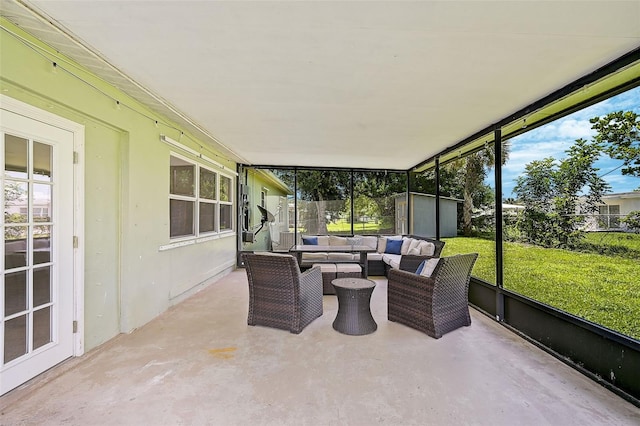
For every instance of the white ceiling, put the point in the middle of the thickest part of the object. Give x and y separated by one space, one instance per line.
348 84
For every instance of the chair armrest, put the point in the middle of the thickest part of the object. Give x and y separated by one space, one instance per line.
397 275
311 279
409 286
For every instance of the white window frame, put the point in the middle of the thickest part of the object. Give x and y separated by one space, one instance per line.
221 202
198 236
263 197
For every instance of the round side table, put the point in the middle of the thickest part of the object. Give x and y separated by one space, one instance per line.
354 310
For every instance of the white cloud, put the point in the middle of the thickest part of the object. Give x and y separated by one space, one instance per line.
551 140
522 153
575 129
620 183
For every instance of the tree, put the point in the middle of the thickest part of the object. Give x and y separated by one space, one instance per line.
320 187
14 195
632 220
365 206
619 137
472 170
558 195
378 187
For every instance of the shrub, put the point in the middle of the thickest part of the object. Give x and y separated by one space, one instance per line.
632 220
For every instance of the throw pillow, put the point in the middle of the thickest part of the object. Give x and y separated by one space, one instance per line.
382 242
310 241
420 267
429 266
337 241
414 251
406 242
370 241
393 247
427 248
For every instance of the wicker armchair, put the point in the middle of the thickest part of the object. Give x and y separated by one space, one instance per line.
280 296
434 305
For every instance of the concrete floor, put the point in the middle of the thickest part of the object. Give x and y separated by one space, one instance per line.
199 363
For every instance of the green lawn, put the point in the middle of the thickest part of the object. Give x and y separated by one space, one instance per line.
344 227
602 289
614 243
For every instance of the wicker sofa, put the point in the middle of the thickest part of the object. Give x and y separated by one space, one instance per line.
405 253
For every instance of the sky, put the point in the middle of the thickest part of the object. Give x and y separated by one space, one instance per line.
554 138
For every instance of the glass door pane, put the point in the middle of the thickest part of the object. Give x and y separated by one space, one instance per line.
28 225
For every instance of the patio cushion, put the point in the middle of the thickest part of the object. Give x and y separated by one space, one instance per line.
348 270
393 247
392 260
429 266
326 267
374 256
382 242
406 243
426 248
369 241
314 256
341 256
337 241
354 241
310 241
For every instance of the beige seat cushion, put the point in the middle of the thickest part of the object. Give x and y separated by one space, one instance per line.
310 257
392 260
341 256
348 267
374 256
326 267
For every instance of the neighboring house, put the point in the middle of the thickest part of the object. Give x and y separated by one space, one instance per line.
263 188
614 208
423 218
511 209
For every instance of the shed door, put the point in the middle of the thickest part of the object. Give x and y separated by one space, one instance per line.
37 294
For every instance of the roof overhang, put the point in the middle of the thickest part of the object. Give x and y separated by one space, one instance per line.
381 85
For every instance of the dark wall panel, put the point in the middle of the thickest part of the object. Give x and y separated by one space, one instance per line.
483 296
611 358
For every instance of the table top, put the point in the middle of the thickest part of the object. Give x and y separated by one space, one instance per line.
308 248
353 283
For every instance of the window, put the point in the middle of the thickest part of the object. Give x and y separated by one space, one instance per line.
609 216
197 205
226 204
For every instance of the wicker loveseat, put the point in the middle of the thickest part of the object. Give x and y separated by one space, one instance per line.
410 251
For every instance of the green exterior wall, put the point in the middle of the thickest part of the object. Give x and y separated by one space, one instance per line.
128 280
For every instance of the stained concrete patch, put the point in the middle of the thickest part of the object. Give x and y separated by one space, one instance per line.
223 353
